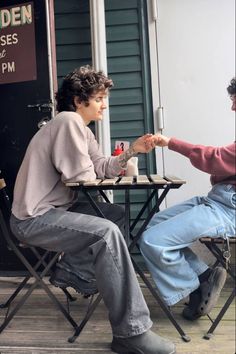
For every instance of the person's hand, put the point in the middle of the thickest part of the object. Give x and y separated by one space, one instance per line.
144 144
160 140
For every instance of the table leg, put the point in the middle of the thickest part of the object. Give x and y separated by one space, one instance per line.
127 217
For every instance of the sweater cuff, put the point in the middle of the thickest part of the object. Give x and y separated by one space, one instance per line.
180 146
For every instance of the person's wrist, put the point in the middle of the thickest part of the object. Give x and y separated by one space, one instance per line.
167 141
133 149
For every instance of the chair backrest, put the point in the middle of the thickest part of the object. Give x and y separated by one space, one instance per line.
5 204
5 212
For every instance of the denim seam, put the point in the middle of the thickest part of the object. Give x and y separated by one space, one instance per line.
113 256
133 331
181 295
40 223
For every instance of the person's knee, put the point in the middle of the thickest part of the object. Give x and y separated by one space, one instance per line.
150 249
146 240
111 230
113 235
145 245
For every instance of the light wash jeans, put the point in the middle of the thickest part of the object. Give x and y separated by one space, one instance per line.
165 243
94 249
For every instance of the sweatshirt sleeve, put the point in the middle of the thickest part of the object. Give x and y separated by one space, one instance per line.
76 154
219 161
70 151
104 166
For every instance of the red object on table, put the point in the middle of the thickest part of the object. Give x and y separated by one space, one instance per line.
117 152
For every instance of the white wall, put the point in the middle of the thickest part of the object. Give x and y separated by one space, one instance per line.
196 50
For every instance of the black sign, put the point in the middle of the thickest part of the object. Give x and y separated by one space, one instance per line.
17 44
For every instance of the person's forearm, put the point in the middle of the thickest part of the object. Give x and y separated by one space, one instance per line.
126 155
210 159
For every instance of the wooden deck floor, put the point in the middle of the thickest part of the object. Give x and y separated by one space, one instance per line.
39 328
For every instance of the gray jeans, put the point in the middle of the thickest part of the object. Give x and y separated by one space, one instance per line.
93 248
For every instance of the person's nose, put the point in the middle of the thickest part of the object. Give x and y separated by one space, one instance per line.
104 103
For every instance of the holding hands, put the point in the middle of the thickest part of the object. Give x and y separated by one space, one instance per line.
144 144
148 142
160 140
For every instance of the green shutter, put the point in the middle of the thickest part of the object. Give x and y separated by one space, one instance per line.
73 37
128 66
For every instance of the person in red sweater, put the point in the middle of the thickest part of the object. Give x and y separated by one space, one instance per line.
165 244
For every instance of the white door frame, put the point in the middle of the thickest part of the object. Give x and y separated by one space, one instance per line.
158 110
99 57
51 43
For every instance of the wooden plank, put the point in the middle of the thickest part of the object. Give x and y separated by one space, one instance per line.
142 179
174 179
92 183
158 179
39 328
109 181
126 180
72 184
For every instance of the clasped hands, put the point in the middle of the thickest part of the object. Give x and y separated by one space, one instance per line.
148 142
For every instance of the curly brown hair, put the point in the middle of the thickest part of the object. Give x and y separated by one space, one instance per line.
232 87
82 82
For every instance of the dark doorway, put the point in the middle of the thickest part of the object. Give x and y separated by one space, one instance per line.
22 106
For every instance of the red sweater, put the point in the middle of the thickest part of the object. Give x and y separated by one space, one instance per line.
219 162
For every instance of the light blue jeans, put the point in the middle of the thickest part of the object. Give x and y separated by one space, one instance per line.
165 243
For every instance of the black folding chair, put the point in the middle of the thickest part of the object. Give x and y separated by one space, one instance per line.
221 248
45 260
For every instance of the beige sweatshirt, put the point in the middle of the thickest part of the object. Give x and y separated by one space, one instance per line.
62 151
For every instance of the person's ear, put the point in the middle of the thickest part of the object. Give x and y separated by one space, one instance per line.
77 102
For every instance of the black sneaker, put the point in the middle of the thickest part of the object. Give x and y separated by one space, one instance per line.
63 279
145 343
206 296
211 289
190 312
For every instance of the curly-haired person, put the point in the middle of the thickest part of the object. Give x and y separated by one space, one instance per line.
175 268
48 214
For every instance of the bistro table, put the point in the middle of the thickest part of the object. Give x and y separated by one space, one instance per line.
158 188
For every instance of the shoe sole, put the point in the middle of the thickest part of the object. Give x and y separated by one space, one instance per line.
62 285
190 317
118 348
212 291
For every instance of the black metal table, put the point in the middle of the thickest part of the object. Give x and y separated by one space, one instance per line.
158 188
